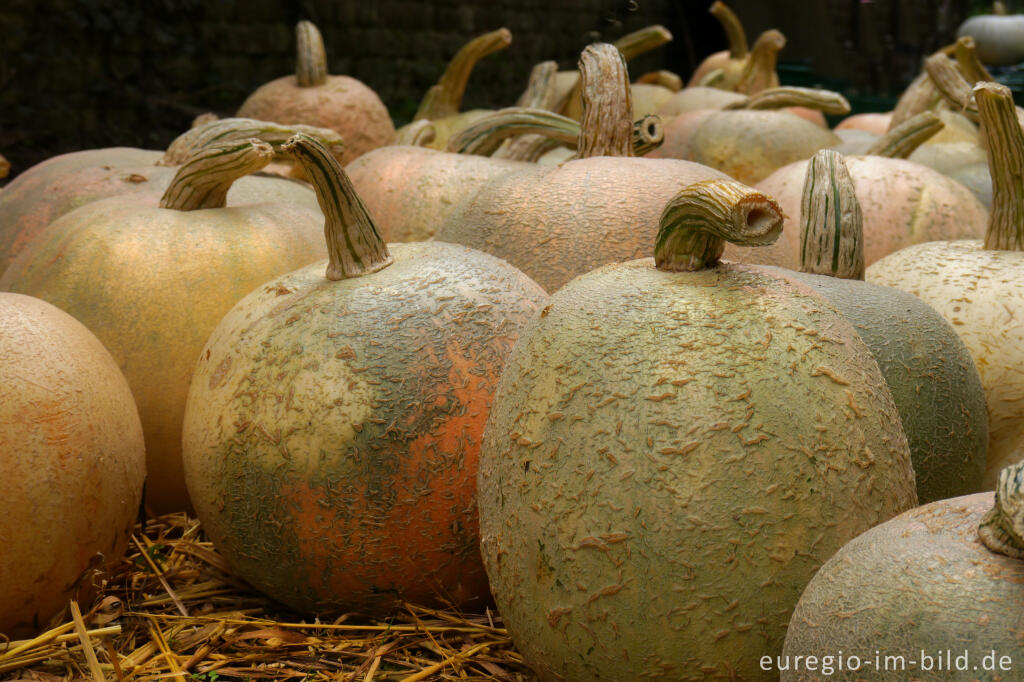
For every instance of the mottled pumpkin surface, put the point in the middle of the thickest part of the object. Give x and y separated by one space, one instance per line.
555 223
669 459
920 582
342 103
903 203
409 191
72 458
152 284
333 428
932 377
979 293
877 123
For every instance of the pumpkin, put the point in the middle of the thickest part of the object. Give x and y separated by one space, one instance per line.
5 167
441 105
73 459
724 67
555 223
999 37
313 97
874 122
674 449
975 284
179 267
333 424
944 581
929 371
61 184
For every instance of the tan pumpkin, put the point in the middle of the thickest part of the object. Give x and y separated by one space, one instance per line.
314 97
73 463
180 265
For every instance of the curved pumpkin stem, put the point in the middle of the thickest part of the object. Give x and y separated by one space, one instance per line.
487 134
1004 141
666 79
606 127
417 134
966 54
311 60
541 89
825 101
901 141
947 78
354 245
759 71
831 224
445 98
204 180
698 221
733 28
221 131
1002 529
648 134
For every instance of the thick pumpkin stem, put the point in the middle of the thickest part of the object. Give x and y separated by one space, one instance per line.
311 61
1002 529
999 9
488 133
832 227
634 44
825 101
759 71
354 245
901 141
966 54
920 95
733 28
204 180
1004 142
445 98
666 79
606 127
417 134
951 84
698 221
648 134
236 129
541 89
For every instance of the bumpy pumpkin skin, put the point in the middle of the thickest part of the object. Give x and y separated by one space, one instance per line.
342 103
72 457
668 461
922 581
410 191
346 479
903 203
154 305
993 333
931 375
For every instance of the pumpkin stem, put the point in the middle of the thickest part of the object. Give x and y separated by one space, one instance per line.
1002 529
1004 141
417 134
698 221
666 79
825 101
311 61
354 245
966 54
951 84
733 28
5 166
541 89
832 228
606 127
999 8
759 71
712 79
445 98
648 134
901 141
920 95
221 131
204 180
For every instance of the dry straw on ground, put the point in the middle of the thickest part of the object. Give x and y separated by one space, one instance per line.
172 610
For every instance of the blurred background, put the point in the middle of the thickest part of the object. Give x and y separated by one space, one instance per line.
78 74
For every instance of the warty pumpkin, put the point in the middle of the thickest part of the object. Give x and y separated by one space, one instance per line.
975 284
151 280
674 448
333 425
314 97
73 462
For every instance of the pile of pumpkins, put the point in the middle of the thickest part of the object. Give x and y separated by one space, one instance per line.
606 358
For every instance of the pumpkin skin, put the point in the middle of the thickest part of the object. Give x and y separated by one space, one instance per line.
653 497
920 582
877 123
333 427
153 307
903 203
72 454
